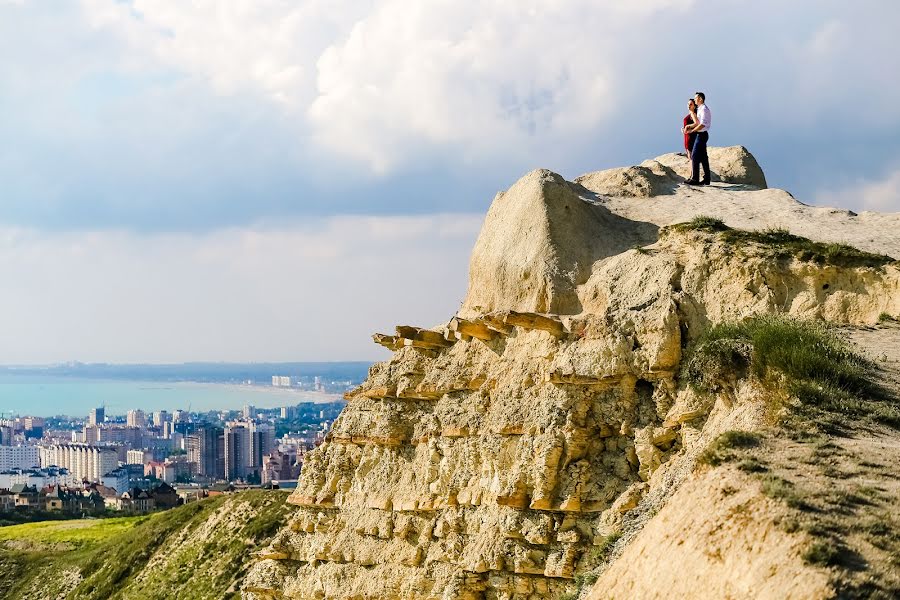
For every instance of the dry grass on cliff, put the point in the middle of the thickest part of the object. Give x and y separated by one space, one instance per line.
781 243
828 382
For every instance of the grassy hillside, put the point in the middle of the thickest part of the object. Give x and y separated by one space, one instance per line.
200 550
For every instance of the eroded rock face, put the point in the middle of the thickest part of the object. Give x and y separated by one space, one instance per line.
485 459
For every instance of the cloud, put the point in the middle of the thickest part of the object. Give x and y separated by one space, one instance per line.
383 82
882 195
314 290
158 115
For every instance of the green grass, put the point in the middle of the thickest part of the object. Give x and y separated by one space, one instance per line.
887 318
823 554
722 448
111 554
816 367
783 244
779 488
80 532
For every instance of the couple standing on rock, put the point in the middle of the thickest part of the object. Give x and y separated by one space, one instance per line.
696 134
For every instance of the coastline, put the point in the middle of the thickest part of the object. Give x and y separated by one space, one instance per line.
54 396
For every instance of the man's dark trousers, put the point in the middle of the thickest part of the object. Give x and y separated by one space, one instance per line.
699 157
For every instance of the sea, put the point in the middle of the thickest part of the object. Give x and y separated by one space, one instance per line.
74 391
44 396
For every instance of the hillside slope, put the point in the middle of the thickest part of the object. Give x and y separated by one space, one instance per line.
197 551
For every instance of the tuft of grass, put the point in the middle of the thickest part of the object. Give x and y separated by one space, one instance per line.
702 223
783 244
779 488
720 450
887 318
822 553
818 368
752 465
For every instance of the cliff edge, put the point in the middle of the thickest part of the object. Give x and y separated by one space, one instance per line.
552 433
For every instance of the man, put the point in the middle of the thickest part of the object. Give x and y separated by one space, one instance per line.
698 152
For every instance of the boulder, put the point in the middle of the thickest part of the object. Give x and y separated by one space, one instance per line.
732 164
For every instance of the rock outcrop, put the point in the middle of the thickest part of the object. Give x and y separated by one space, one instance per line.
486 458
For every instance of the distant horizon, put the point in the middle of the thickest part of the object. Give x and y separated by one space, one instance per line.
181 363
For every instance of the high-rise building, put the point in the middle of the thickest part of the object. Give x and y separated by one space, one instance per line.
116 434
91 435
136 418
7 434
19 457
179 416
206 447
262 442
97 416
84 462
34 428
160 417
237 450
248 411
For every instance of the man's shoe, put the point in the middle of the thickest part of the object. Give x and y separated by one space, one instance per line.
691 182
704 183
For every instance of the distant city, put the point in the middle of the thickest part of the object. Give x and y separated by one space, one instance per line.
142 460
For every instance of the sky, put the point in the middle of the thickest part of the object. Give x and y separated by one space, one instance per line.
265 180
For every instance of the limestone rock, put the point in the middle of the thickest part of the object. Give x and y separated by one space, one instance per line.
485 459
733 164
538 243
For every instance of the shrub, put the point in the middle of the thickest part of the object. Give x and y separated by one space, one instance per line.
819 368
720 449
824 554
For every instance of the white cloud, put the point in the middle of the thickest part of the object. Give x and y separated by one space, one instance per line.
383 82
312 291
882 195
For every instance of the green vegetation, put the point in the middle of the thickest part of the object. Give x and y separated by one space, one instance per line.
826 376
784 244
79 533
886 318
199 550
722 448
824 554
779 488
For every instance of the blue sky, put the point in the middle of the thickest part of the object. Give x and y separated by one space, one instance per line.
228 179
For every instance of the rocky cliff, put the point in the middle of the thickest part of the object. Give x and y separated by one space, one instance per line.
516 450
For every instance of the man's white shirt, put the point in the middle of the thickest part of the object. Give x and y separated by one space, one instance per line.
704 116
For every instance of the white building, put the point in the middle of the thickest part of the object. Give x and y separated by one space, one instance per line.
19 457
160 417
136 418
281 381
138 457
97 416
40 478
84 462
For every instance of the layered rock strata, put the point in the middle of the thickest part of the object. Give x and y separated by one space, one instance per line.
486 457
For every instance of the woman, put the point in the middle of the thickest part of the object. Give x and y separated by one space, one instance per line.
689 120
